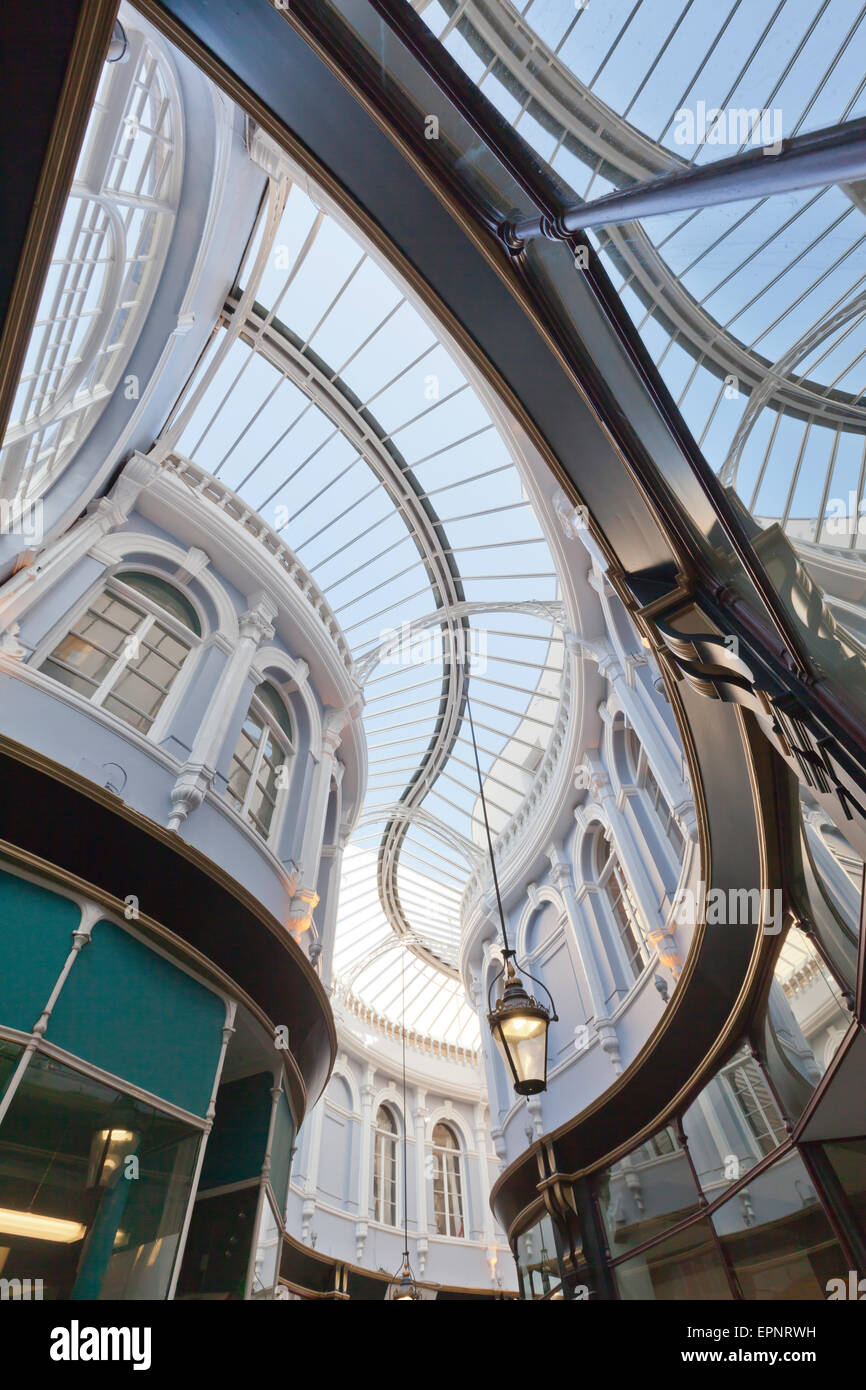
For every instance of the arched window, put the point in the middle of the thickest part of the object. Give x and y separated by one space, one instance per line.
447 1184
643 776
127 647
610 877
265 746
385 1168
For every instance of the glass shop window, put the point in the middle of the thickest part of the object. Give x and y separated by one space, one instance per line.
777 1237
94 1187
645 1192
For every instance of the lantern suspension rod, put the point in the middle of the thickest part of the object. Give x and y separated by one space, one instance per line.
405 1112
508 950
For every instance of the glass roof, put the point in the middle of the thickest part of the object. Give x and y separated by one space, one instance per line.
105 265
753 311
329 404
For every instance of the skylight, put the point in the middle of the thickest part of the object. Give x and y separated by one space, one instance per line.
329 403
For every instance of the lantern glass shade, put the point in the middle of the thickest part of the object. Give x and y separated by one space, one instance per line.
519 1026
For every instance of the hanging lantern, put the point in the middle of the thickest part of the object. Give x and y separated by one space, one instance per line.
519 1026
404 1290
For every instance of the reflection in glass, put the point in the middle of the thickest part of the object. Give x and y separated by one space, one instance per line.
9 1055
537 1260
804 1022
833 875
733 1124
267 1252
645 1192
777 1237
94 1186
848 1157
685 1266
217 1253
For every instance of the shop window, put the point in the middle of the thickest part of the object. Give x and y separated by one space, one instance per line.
733 1124
94 1187
687 1266
645 1192
777 1238
804 1021
848 1159
538 1261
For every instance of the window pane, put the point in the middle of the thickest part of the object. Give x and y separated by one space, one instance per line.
275 707
777 1237
733 1124
90 649
537 1260
164 595
71 1214
848 1157
140 689
686 1266
804 1021
645 1192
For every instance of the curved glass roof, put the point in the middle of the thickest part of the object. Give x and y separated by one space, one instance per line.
329 404
105 265
753 311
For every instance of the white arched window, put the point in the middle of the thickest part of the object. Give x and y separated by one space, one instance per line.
125 650
610 877
260 767
385 1168
643 776
447 1182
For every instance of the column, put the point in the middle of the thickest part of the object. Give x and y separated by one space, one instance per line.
198 772
421 1117
311 1169
361 1225
306 896
633 868
54 560
561 874
488 1235
328 926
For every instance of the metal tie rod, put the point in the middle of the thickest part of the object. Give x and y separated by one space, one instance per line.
835 155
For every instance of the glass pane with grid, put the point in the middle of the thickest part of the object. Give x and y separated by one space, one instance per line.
243 761
624 910
385 1175
264 795
83 658
447 1191
143 683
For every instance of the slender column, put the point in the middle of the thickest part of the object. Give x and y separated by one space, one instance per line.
306 896
561 874
53 561
421 1116
361 1225
311 1174
198 772
80 938
488 1234
328 929
632 865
